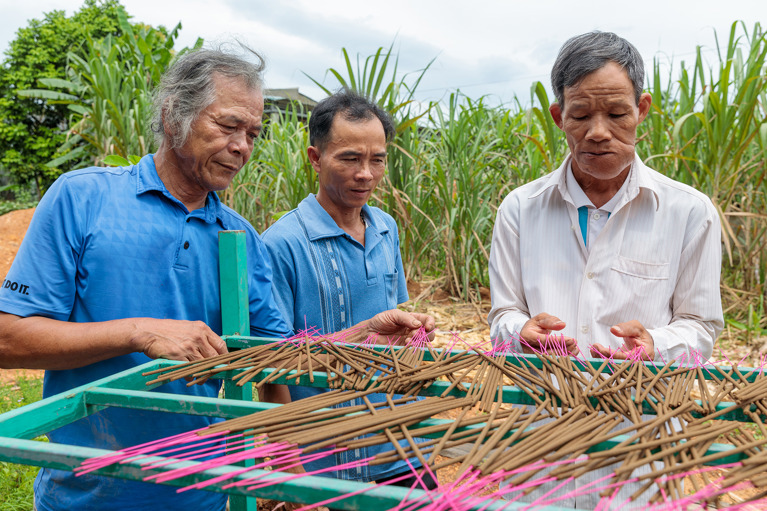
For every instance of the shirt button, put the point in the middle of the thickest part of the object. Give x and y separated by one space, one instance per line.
590 275
186 245
597 216
585 329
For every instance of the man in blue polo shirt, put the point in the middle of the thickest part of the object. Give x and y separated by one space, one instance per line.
337 260
120 265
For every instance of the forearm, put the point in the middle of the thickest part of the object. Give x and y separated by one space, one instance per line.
505 327
354 335
42 343
684 337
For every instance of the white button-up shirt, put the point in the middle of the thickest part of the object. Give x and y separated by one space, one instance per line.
657 259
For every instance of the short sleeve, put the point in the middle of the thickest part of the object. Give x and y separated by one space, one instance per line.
42 279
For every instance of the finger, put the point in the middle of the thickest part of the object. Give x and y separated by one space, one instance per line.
621 354
205 348
401 319
549 322
426 320
627 330
530 345
599 350
219 345
572 346
197 353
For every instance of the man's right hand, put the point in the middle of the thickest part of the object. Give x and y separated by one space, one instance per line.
176 339
538 328
392 325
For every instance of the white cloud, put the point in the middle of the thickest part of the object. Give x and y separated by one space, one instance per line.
482 46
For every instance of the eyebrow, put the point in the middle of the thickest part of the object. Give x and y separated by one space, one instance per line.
240 121
581 104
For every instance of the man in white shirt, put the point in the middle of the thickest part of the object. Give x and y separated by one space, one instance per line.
604 252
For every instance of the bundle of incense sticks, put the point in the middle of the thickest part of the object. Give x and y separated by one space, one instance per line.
585 417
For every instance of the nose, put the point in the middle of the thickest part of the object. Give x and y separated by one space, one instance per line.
240 143
364 171
599 129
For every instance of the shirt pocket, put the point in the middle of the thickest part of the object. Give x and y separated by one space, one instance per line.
636 290
641 270
390 284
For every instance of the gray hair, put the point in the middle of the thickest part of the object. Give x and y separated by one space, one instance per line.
583 54
187 88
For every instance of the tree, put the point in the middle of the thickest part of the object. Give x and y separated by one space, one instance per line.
108 93
32 129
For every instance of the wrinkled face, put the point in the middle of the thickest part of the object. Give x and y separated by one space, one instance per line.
600 119
222 137
351 164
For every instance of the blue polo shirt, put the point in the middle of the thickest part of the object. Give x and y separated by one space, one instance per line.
326 279
113 243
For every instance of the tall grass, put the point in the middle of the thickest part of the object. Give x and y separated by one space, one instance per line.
449 171
451 164
707 129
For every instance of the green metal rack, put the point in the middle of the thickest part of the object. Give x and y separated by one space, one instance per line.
129 389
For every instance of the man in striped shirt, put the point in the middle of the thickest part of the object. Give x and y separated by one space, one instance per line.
609 256
604 252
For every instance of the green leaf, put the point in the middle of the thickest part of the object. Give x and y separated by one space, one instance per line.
59 83
114 160
74 153
46 94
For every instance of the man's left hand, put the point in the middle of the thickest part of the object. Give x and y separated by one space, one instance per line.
637 342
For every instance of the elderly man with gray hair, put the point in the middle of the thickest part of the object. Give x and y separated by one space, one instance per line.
608 255
120 266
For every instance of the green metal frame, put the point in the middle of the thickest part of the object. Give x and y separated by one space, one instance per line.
129 389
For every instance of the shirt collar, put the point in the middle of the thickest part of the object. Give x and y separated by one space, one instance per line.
639 178
148 181
319 223
580 198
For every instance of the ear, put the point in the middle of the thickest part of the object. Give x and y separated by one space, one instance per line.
556 113
314 157
165 128
645 102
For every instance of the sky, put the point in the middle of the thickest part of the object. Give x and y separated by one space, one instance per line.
486 48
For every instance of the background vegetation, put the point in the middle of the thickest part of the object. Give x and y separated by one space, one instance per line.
75 92
449 171
450 164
